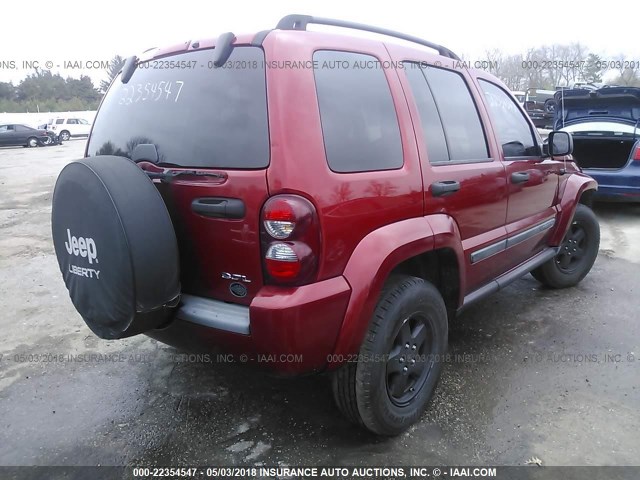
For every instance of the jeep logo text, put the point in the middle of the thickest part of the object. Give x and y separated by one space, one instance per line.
84 247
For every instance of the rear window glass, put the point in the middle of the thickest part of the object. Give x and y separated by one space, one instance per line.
462 127
432 129
359 121
195 115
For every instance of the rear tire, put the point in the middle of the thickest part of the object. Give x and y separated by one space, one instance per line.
65 136
550 106
577 253
32 142
400 360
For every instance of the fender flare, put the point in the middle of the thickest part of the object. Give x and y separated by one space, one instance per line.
373 260
574 187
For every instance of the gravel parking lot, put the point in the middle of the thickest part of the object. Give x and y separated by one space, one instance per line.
533 373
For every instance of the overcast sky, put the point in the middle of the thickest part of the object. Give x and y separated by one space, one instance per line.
74 30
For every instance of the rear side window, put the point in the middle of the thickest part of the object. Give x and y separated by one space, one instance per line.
195 115
457 110
60 121
512 129
432 129
359 121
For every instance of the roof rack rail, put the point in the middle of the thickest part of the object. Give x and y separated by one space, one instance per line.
300 22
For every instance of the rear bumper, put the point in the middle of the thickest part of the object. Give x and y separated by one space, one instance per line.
617 185
286 330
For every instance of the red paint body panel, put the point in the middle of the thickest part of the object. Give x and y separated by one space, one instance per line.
369 266
572 187
293 330
211 246
298 162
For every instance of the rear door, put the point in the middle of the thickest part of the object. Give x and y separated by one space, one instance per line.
23 133
208 120
532 178
463 176
71 124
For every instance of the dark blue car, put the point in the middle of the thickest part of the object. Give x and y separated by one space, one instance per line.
605 125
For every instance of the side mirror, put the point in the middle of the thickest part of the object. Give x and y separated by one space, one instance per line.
560 144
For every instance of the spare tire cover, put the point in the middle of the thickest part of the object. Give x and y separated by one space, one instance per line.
116 246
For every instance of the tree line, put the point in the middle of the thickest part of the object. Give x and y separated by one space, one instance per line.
543 67
548 67
48 92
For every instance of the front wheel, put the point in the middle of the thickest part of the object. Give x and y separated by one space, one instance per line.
577 253
400 360
65 136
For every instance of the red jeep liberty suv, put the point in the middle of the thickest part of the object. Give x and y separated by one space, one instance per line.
322 201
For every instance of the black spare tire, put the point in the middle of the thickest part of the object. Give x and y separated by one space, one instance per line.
116 246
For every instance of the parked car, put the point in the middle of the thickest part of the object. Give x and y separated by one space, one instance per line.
69 127
606 135
540 106
312 211
15 134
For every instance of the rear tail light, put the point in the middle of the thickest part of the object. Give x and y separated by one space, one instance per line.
290 236
636 154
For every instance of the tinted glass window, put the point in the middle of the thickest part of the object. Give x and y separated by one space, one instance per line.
195 115
512 129
72 121
359 121
462 126
60 121
3 128
429 118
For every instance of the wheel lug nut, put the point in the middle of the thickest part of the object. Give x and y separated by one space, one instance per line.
406 345
413 347
401 359
405 369
413 361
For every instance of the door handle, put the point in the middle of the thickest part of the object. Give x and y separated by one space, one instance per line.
446 187
519 177
218 207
